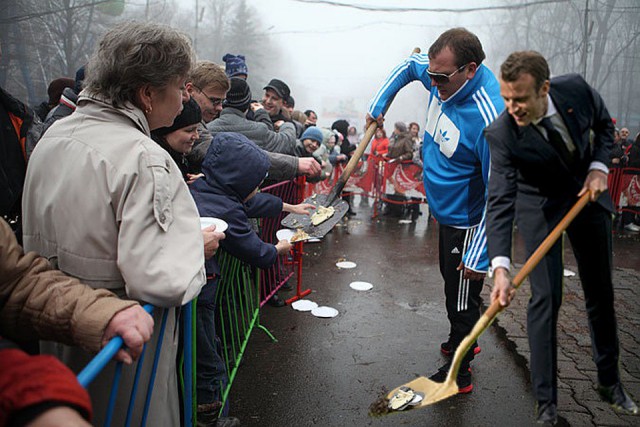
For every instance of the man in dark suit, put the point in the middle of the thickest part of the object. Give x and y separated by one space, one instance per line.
548 147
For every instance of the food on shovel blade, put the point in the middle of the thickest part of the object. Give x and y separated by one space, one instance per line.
300 234
401 398
322 214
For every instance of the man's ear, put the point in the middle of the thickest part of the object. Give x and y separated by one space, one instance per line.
472 68
544 89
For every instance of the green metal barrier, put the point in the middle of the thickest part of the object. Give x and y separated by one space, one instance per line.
238 306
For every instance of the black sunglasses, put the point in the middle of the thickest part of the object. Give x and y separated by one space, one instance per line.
215 101
441 78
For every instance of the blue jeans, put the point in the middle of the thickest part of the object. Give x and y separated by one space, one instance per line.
211 373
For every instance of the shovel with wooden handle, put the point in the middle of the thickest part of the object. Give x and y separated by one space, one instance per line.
435 392
340 206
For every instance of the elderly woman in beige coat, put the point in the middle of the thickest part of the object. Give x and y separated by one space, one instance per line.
108 205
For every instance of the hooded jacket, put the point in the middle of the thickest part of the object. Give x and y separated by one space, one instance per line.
233 168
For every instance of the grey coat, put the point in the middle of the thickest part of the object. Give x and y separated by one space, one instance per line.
283 166
233 120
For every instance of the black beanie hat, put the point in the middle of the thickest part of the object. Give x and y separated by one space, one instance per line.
190 115
239 95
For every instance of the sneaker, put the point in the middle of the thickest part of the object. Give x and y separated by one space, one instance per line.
632 227
547 414
463 380
445 348
618 399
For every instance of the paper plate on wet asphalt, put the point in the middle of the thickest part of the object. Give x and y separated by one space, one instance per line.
304 305
324 311
285 234
345 264
360 286
207 221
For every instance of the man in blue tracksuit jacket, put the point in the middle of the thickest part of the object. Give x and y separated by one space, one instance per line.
456 169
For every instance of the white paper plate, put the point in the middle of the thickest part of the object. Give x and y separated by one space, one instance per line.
404 221
304 305
285 234
345 264
360 286
324 311
207 221
568 273
314 240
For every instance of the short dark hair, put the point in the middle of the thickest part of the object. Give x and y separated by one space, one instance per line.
526 61
465 46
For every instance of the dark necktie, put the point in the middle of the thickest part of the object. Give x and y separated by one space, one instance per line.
556 141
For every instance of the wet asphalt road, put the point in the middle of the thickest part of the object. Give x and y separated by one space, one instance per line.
326 372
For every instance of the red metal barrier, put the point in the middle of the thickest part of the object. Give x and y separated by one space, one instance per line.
286 266
377 178
624 187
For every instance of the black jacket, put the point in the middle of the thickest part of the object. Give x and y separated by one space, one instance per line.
527 173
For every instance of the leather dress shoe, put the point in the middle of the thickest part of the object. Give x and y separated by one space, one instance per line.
547 414
618 399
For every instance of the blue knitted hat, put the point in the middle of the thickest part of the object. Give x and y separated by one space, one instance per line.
312 133
235 65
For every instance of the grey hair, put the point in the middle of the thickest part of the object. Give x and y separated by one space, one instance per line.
135 54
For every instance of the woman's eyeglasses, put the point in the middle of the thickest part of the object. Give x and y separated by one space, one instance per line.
441 78
215 101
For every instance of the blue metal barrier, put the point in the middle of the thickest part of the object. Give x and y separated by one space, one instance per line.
98 363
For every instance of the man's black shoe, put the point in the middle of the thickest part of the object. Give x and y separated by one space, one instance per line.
463 380
618 399
547 414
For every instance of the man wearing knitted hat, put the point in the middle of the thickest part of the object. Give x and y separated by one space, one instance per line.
232 119
235 66
208 80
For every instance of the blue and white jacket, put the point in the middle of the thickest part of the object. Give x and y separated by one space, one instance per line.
455 152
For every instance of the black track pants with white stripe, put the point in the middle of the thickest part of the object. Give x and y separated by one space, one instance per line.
462 296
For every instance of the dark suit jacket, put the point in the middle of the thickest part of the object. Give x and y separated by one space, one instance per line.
528 174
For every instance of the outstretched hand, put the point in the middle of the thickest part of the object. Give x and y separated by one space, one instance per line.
303 209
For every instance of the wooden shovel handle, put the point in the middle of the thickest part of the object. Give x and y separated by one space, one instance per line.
357 154
542 250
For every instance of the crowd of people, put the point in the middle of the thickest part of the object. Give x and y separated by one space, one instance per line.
161 139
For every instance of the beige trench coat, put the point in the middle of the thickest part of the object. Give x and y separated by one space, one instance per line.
108 205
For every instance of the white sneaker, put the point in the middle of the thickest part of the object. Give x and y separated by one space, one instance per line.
632 227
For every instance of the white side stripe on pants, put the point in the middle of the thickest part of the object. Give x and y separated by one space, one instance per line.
463 285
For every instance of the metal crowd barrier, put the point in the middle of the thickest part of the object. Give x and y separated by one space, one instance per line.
624 187
237 312
100 361
378 179
286 266
241 291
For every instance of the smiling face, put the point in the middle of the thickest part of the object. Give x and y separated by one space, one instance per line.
209 100
182 140
310 145
271 102
523 102
445 63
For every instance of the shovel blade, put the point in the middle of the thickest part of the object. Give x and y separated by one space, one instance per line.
433 391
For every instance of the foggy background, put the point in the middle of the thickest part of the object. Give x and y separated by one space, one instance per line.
335 54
